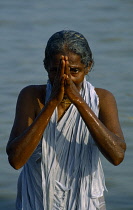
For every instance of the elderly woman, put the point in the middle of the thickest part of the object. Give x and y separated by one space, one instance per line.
60 128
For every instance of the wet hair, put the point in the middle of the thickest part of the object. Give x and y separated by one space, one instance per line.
68 41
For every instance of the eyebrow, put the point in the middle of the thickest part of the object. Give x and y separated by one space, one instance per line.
75 67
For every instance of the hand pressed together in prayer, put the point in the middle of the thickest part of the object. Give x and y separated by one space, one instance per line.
63 85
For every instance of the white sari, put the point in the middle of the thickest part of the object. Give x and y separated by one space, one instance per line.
72 176
65 171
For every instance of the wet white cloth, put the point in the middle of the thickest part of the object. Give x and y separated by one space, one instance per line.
65 171
72 176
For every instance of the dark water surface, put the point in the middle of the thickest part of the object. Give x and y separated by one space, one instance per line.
25 27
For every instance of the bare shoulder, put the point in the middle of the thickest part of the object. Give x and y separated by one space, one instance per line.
107 100
107 103
29 104
108 112
33 91
31 99
104 94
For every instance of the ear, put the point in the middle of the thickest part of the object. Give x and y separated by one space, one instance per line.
88 68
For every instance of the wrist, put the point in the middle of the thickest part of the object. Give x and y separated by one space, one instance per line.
52 102
78 101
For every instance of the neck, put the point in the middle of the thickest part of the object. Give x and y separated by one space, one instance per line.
66 101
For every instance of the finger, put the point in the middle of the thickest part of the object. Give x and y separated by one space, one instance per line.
62 66
60 72
62 81
67 68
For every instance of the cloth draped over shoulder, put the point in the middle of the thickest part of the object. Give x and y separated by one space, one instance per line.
64 172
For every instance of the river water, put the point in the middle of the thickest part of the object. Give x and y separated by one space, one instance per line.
25 27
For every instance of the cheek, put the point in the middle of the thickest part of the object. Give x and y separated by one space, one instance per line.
77 78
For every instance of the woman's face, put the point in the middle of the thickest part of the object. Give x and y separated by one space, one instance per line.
77 68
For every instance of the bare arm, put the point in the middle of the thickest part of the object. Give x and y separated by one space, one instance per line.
105 130
28 129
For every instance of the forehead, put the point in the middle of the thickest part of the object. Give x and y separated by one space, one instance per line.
73 58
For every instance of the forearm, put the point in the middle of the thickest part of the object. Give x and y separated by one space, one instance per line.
21 148
111 145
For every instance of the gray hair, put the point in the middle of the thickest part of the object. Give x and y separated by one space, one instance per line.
70 41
